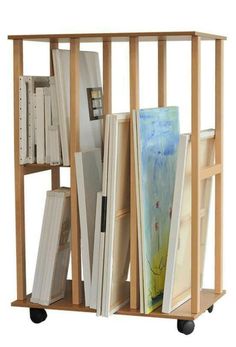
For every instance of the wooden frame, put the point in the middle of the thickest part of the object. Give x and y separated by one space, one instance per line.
74 300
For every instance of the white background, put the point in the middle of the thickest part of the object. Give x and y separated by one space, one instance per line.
29 17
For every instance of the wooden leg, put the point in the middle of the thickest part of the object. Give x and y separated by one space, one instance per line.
195 149
19 179
134 105
219 160
74 147
162 73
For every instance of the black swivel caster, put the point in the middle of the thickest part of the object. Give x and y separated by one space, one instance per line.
185 327
210 309
38 315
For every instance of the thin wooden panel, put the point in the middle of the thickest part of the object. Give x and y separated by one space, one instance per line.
74 147
55 172
134 104
195 184
162 73
219 160
19 179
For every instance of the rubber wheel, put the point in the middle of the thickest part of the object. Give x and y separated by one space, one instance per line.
185 327
210 309
38 315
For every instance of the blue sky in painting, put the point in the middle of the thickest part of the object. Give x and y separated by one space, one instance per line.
159 137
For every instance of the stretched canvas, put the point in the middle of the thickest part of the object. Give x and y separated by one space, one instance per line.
115 291
90 77
158 137
178 272
89 183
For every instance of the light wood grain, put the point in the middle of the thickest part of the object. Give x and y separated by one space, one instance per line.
210 171
208 298
107 82
219 160
19 179
74 147
123 36
134 105
195 179
55 171
162 88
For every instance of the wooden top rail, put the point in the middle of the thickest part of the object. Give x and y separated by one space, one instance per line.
99 37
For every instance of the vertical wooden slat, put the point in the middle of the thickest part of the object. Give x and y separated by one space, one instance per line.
195 184
162 73
75 147
219 46
134 105
19 179
107 70
55 171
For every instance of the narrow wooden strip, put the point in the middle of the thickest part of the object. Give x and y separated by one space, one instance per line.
55 171
19 178
187 218
134 104
195 180
74 147
107 81
162 88
210 171
219 61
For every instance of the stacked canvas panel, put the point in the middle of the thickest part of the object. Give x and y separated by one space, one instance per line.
89 182
90 130
54 249
113 288
178 268
156 136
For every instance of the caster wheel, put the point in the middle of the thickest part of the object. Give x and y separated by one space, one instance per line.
210 309
185 327
37 315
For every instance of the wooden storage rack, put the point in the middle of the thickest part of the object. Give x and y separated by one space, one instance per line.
201 299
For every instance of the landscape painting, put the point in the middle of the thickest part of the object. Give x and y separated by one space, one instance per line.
158 137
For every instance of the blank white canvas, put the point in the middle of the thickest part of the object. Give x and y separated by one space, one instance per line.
178 269
90 131
116 262
89 183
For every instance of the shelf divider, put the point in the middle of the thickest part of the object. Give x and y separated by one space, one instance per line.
195 177
75 147
19 178
134 105
219 61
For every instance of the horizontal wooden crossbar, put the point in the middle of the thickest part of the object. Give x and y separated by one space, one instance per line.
210 171
99 37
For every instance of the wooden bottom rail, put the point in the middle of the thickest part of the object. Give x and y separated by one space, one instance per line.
208 298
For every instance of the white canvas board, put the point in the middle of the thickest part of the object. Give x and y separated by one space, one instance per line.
54 281
178 269
89 183
90 131
96 252
27 89
40 114
103 218
48 123
137 188
116 262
